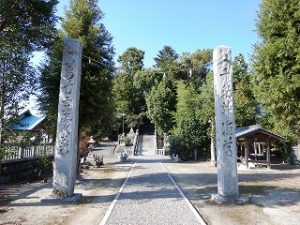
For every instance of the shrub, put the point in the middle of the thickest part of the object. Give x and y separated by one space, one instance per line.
178 147
191 134
45 166
98 160
127 141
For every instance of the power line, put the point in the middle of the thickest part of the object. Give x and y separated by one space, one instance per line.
189 70
91 59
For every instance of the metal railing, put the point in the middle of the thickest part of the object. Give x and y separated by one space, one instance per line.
135 143
160 151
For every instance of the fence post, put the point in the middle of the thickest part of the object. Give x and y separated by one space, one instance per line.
21 152
35 150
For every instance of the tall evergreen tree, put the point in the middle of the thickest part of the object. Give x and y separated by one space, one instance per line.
161 104
201 62
207 105
191 129
145 79
167 61
25 26
277 63
132 60
83 22
49 83
129 99
244 101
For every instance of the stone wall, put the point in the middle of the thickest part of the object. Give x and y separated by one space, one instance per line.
21 170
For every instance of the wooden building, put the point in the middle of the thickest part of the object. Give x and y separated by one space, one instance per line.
26 121
254 144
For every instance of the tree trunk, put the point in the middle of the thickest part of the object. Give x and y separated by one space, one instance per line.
2 103
2 152
1 119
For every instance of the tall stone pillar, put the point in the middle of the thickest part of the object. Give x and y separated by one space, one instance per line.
212 145
225 127
66 147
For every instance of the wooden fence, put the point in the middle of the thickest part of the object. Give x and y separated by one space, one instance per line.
14 152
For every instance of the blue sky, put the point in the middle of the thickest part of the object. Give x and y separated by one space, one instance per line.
185 25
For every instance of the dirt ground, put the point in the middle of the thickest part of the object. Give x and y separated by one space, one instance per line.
274 196
98 187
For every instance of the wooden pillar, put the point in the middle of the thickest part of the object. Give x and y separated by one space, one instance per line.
268 153
247 149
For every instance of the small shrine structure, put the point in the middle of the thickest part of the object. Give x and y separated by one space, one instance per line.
254 144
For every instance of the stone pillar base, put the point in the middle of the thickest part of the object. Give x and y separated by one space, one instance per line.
214 164
237 199
54 199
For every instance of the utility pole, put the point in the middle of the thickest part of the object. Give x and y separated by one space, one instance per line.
123 115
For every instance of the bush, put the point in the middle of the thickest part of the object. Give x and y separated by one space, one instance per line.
98 160
127 141
120 149
3 153
45 166
191 134
178 146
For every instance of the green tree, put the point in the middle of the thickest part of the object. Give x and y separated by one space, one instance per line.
49 83
277 63
207 105
25 26
245 103
187 101
193 137
201 61
129 99
161 106
132 60
145 79
167 60
191 129
83 22
165 56
207 101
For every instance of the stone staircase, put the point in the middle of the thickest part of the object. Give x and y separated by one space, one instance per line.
147 145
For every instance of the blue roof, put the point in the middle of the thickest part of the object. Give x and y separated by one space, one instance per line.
27 121
241 131
249 130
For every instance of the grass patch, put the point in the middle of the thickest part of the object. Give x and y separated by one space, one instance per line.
254 189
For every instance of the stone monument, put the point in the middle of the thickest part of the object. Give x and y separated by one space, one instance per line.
66 147
228 191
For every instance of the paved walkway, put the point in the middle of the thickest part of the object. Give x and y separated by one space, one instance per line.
150 196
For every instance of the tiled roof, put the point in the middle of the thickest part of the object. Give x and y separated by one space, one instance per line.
248 130
27 121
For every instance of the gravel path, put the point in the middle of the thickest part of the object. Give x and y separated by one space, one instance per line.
149 196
